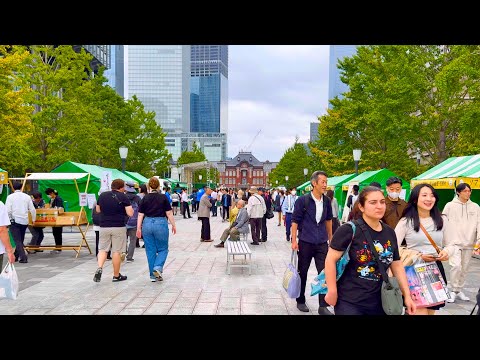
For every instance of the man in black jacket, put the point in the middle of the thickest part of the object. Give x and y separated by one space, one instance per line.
312 217
268 204
226 203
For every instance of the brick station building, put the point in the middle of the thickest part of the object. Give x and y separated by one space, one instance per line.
245 170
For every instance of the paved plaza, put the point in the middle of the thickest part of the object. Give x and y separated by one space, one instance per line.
195 280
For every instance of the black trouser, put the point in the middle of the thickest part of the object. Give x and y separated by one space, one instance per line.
57 235
226 212
264 228
214 208
18 233
255 226
37 235
205 228
186 208
307 251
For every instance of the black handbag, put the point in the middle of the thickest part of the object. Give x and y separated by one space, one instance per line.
269 214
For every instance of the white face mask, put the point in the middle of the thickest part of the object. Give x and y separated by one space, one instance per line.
393 195
293 192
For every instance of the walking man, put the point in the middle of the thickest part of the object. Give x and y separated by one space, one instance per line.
268 205
114 206
464 215
395 205
287 210
312 217
18 206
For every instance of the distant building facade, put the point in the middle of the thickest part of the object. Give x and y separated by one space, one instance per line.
245 170
335 86
314 131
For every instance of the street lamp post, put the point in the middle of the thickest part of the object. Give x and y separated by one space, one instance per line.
123 150
286 181
305 173
357 154
200 177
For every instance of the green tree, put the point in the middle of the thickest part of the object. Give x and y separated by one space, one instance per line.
292 163
401 98
16 127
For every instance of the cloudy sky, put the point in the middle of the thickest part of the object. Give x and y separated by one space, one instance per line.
278 89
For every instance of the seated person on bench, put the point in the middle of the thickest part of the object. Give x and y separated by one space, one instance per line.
239 226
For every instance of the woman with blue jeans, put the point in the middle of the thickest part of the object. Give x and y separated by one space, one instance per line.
152 226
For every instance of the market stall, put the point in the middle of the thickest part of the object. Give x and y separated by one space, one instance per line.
445 177
58 216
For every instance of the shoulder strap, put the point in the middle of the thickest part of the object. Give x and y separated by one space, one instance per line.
374 252
430 239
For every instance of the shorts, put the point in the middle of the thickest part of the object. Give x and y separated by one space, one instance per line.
113 238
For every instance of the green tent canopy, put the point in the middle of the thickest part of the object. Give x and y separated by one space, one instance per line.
138 177
304 188
176 184
445 177
66 188
335 183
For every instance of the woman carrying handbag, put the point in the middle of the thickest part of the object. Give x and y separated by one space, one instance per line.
426 230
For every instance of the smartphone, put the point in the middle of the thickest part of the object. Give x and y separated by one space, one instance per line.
434 255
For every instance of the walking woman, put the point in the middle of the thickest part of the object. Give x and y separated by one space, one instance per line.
152 226
56 202
357 292
422 210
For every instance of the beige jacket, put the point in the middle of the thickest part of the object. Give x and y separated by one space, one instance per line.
204 206
465 218
256 207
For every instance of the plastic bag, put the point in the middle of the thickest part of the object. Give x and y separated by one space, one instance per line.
9 282
291 278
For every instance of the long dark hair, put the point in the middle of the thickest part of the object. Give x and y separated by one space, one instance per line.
411 211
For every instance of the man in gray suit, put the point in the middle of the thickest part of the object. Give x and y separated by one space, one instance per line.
203 213
239 226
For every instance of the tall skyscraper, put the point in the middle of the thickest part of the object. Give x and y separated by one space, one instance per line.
314 131
159 75
209 88
335 86
115 74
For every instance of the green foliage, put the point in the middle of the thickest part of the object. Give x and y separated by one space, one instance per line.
54 110
196 155
400 99
292 163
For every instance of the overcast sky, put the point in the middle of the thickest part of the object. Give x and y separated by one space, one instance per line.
278 89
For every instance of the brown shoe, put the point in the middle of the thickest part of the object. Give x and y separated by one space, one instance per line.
221 245
209 240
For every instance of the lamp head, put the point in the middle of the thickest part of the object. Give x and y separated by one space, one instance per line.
357 154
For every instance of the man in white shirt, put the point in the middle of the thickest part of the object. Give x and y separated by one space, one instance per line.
4 238
185 207
287 210
18 205
213 200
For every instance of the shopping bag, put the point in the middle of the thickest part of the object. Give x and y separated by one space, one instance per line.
291 278
9 282
319 284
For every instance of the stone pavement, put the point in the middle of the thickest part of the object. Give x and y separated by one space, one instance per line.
195 280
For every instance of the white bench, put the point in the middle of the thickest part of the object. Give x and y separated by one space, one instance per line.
238 248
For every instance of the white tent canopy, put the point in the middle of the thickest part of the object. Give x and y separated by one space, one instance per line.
53 176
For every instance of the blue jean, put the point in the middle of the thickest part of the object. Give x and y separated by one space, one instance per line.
155 237
288 224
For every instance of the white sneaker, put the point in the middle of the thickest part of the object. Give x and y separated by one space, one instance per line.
462 296
453 295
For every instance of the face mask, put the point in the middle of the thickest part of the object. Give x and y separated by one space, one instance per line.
293 192
393 195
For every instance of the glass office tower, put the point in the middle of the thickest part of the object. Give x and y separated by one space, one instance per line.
159 75
209 88
335 86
